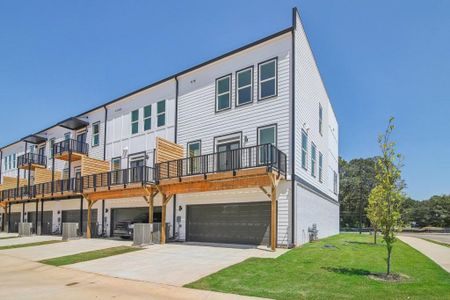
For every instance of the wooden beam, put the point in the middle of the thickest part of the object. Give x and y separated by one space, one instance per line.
205 185
273 218
163 219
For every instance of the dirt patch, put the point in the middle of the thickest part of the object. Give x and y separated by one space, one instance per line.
395 278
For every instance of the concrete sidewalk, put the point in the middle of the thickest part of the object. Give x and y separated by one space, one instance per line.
26 280
28 239
439 254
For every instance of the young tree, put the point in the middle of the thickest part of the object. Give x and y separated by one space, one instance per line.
374 209
388 193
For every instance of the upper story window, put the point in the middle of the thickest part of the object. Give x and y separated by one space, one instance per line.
161 113
244 88
67 136
135 121
313 160
147 117
320 118
320 167
267 79
194 152
50 150
14 164
304 150
194 149
223 93
95 134
267 135
335 182
116 164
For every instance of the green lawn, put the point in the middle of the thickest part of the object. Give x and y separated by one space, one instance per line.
29 244
91 255
317 272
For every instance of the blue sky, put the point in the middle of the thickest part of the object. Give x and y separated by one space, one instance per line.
377 59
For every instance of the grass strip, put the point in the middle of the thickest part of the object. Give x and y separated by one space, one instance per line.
29 245
90 255
437 242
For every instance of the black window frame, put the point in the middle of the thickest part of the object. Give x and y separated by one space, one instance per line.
95 134
144 118
236 89
313 159
132 122
230 92
160 113
276 78
305 164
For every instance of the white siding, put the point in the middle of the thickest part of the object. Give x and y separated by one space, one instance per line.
120 141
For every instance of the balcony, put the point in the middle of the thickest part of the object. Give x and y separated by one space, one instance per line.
70 150
31 161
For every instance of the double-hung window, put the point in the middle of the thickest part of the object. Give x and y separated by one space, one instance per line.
320 167
267 79
313 160
161 113
244 88
135 121
147 117
115 170
267 136
320 118
95 134
304 150
335 182
223 93
14 163
194 152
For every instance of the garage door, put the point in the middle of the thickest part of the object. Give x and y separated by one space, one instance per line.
238 223
15 219
73 216
121 217
47 221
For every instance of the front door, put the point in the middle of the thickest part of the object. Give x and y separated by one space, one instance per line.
136 170
228 157
81 139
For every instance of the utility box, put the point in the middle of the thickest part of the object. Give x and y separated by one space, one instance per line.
69 231
25 229
142 234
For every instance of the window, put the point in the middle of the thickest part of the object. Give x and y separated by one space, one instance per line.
266 135
161 113
115 167
135 121
147 117
50 150
335 182
244 88
320 118
223 93
304 150
194 152
14 161
313 160
65 174
95 134
116 163
9 162
67 136
320 167
267 79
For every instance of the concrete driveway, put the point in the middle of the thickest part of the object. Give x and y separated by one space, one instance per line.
25 240
36 253
174 264
439 237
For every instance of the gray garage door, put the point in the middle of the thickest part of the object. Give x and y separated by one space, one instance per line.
15 219
73 216
47 221
238 223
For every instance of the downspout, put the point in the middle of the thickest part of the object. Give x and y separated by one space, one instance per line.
104 158
175 140
294 28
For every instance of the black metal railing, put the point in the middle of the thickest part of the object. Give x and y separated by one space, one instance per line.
243 158
124 177
31 158
70 145
265 155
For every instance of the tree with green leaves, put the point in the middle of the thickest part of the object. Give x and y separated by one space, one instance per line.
374 210
387 197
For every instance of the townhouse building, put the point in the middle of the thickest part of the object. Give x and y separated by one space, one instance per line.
241 149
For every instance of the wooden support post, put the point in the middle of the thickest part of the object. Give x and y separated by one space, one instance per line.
273 218
165 200
89 217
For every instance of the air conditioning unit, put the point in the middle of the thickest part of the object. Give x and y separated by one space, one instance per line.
69 231
25 229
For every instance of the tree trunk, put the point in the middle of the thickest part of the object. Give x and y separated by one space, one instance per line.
389 249
374 235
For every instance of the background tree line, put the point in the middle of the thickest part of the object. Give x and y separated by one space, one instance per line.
357 179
